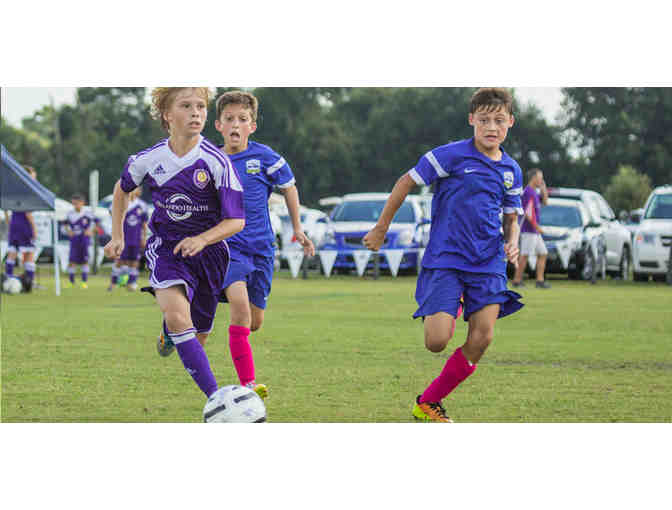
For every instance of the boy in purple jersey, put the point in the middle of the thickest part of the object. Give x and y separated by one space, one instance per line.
79 226
248 283
466 255
21 239
199 203
135 225
531 240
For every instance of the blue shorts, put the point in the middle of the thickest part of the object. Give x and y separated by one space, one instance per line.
439 290
256 271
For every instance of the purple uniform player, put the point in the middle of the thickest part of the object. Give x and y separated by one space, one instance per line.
198 203
135 224
21 239
79 225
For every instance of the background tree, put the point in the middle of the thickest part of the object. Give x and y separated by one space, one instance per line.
628 189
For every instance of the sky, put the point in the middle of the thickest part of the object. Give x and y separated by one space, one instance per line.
20 102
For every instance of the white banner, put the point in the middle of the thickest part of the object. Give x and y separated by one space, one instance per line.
327 259
564 251
3 250
294 259
421 253
393 260
361 258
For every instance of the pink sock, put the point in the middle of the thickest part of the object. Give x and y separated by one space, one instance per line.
456 370
241 353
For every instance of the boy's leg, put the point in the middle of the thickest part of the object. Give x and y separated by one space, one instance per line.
114 276
133 276
10 262
71 273
176 312
85 275
239 332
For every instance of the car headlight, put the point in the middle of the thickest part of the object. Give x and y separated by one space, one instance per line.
329 237
405 237
646 238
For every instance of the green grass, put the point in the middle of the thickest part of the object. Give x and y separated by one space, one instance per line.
343 349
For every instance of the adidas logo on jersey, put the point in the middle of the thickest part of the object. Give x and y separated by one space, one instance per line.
159 170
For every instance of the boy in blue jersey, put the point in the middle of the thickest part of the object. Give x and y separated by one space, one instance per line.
475 181
248 282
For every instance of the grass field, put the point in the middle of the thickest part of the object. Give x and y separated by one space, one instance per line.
343 349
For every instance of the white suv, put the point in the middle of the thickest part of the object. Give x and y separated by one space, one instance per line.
653 236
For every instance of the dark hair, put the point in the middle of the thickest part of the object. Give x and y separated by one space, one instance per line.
77 196
532 172
238 97
491 99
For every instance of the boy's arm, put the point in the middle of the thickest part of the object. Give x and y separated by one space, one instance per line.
292 200
190 246
375 238
511 236
114 248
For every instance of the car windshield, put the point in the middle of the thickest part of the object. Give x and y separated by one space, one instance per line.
660 208
560 216
369 210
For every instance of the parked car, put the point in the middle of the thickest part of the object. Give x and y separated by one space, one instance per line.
358 213
313 221
617 238
568 234
653 236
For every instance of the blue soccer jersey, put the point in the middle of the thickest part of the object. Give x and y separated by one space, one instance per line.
471 192
191 194
260 169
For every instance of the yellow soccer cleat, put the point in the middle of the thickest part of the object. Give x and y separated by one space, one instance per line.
259 389
430 411
84 285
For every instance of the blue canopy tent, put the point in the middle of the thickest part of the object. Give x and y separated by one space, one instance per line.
20 192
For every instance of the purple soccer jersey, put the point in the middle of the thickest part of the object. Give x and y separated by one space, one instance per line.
191 194
530 194
79 223
20 231
136 217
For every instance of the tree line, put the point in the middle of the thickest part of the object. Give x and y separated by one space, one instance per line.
343 140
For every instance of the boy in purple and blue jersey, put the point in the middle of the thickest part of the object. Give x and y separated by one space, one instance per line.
21 239
79 226
198 203
135 224
248 283
475 181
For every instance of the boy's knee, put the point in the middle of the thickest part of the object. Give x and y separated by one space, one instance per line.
177 321
437 343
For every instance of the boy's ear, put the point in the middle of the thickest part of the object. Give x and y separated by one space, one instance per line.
513 119
471 119
254 127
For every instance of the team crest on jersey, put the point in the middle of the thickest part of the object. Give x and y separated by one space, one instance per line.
508 179
253 166
201 178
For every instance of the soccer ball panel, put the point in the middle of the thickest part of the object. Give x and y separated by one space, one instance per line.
234 404
12 285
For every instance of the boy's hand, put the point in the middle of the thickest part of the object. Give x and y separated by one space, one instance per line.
190 246
375 238
114 248
305 242
511 251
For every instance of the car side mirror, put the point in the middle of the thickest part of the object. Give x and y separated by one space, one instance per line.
592 225
321 220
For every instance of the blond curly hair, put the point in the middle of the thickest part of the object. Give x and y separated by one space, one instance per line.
163 97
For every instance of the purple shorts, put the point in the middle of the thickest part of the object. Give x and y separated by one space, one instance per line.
20 242
132 253
79 251
202 276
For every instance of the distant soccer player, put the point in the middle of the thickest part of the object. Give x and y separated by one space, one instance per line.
135 226
21 239
248 283
466 255
79 226
199 203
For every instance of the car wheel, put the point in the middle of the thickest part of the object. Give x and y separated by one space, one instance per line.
624 266
640 277
588 265
660 278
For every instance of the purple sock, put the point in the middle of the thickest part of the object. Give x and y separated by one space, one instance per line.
71 274
9 267
133 275
30 271
195 360
85 273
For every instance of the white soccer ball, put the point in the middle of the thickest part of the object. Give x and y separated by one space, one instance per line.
234 404
12 285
